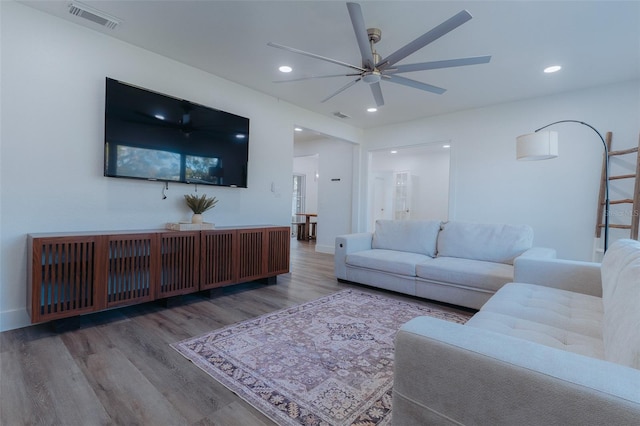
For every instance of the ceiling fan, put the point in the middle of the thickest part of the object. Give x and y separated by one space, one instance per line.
375 69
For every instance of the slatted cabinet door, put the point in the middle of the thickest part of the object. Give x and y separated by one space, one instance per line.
179 264
279 246
63 274
252 254
218 251
131 268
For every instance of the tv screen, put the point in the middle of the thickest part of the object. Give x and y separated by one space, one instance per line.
153 136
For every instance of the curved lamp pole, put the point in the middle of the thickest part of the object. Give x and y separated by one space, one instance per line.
542 146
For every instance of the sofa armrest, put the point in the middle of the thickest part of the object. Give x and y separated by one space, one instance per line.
349 243
570 275
539 253
447 373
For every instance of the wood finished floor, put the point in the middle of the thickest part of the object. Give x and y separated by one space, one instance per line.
118 367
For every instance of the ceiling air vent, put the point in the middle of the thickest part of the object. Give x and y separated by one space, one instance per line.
94 15
340 115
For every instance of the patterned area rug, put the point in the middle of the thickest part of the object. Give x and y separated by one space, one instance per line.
326 362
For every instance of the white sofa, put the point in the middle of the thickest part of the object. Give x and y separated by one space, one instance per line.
454 262
559 347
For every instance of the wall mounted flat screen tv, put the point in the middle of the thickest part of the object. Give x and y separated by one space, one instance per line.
153 136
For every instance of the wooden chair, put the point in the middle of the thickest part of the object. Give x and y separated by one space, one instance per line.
300 229
313 230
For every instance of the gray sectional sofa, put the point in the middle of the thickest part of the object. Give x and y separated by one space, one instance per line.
560 346
454 262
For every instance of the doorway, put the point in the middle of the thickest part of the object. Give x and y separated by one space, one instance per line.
328 165
409 183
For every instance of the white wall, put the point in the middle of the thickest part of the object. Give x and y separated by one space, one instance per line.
432 172
52 108
336 194
557 197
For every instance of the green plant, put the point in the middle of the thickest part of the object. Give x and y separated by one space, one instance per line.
201 204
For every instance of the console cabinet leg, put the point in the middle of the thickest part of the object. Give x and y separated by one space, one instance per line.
65 324
268 280
212 293
170 302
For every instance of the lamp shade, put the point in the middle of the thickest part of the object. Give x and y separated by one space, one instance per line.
537 146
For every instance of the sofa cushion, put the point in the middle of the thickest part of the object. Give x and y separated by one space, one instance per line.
492 243
533 331
621 301
471 273
416 236
566 310
619 255
392 261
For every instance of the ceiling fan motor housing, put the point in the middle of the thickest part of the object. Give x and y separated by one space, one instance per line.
376 58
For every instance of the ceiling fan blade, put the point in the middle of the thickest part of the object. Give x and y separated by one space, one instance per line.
415 84
377 93
313 55
342 89
360 29
449 63
428 37
309 77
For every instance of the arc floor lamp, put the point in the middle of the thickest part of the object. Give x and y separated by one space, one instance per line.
544 145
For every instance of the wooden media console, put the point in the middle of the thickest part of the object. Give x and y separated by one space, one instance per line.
77 273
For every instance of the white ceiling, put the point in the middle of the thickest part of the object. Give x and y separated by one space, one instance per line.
596 42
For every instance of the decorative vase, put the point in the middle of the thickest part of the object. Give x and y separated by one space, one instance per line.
196 218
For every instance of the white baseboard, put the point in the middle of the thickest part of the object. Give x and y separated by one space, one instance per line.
326 249
16 318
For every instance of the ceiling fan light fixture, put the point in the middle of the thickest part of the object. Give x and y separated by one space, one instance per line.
372 77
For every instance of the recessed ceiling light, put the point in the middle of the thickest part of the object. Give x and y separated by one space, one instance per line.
240 136
285 68
159 116
553 68
372 109
297 129
446 146
394 152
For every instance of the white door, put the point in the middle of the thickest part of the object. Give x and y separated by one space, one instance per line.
402 195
